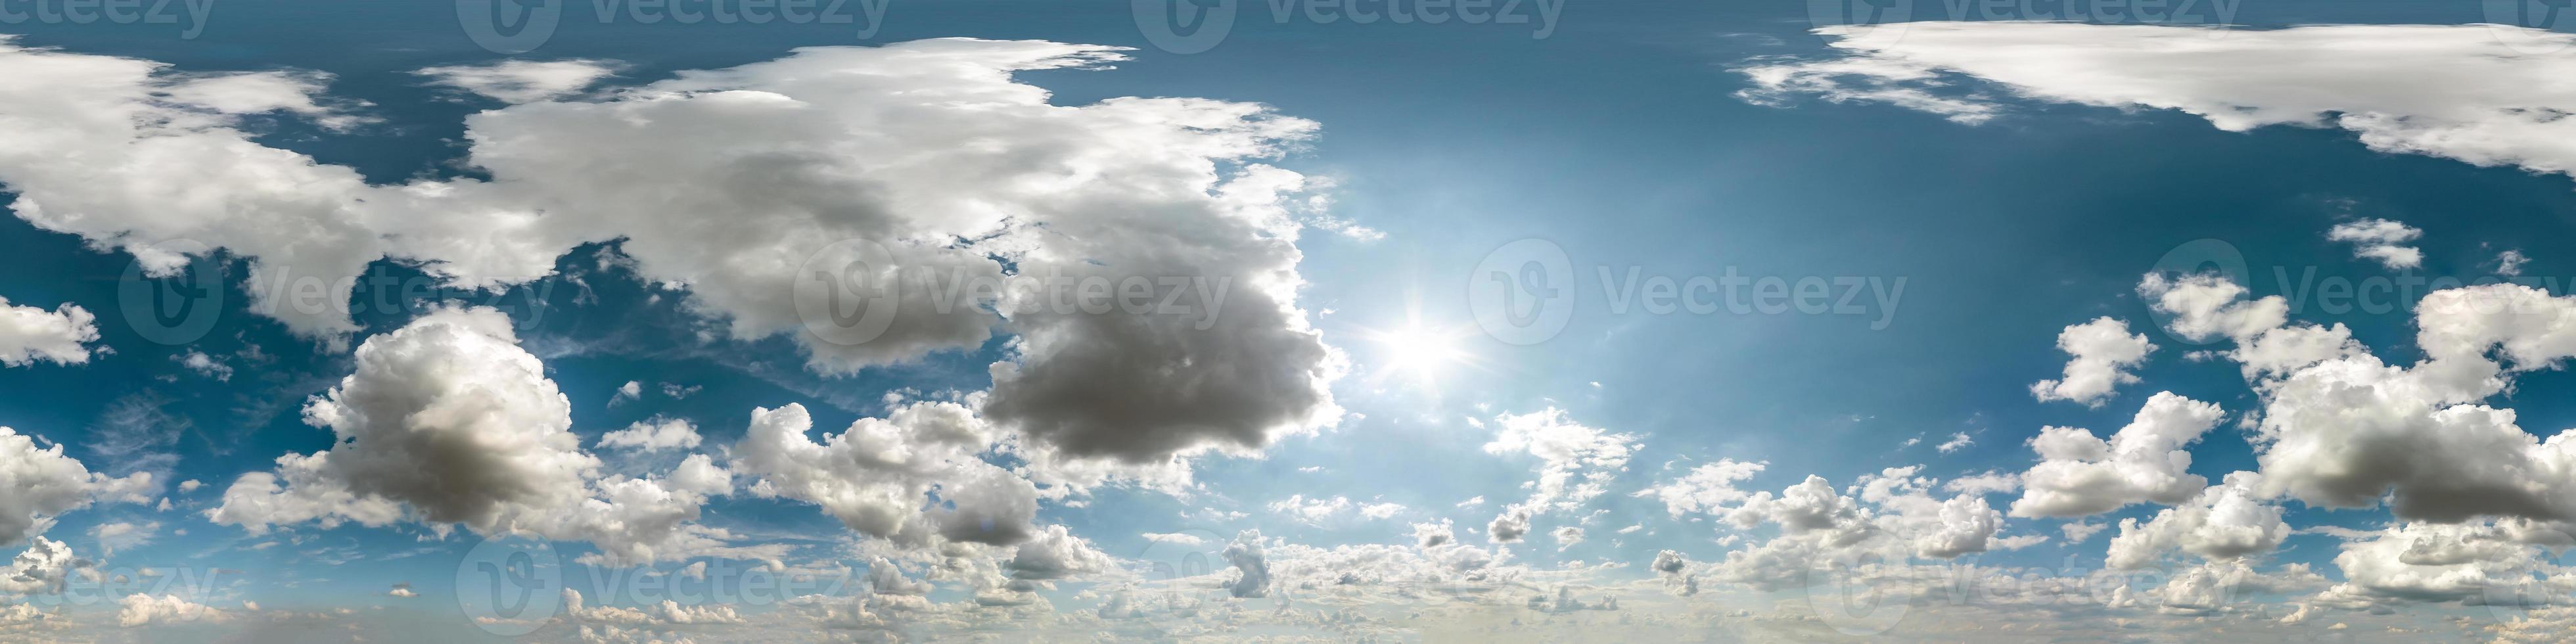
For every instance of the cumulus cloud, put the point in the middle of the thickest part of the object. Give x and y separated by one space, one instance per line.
878 475
953 175
448 421
38 484
2227 521
2380 240
40 569
1567 536
2079 474
140 610
1705 488
29 335
2103 354
2341 428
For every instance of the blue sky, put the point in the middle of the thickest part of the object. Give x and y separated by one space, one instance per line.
1346 445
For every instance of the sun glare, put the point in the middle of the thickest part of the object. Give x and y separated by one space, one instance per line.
1417 353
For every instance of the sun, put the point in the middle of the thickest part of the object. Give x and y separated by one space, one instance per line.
1416 353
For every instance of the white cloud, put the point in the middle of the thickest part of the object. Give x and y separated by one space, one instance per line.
1177 538
402 590
2340 428
652 435
2104 353
204 365
1958 441
2509 263
1566 536
140 609
2467 92
30 335
878 475
119 535
2379 240
2227 521
1576 463
522 81
1706 488
912 147
457 377
38 484
2081 475
40 569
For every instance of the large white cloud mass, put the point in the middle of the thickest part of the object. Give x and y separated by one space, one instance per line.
2102 353
2484 94
927 150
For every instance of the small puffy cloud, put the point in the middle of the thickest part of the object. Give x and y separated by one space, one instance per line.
2103 354
141 610
1707 487
1175 538
1567 536
30 335
1958 441
2147 460
522 81
204 365
402 590
1509 526
653 435
2380 240
1055 554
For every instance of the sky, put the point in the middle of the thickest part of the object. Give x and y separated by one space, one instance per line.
1524 320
